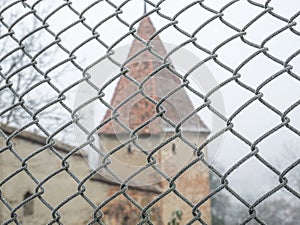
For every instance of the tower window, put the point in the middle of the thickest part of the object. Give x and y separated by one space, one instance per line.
173 148
28 207
129 149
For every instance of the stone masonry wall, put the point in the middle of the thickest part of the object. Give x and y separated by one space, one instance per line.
57 189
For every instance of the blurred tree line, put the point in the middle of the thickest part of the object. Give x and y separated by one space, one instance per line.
282 208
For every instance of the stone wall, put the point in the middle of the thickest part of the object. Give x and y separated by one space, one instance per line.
193 184
56 189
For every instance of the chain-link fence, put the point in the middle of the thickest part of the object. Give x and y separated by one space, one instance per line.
102 122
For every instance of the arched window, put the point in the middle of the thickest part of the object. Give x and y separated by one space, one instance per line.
28 207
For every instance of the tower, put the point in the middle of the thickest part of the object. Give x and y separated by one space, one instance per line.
146 119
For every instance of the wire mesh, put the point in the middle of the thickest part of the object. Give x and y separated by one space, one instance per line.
20 108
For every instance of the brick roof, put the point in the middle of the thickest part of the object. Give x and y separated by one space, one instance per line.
138 109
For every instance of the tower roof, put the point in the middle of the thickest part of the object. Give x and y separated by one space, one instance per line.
139 108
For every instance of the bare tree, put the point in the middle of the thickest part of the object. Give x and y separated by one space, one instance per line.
21 84
281 208
225 210
291 157
280 211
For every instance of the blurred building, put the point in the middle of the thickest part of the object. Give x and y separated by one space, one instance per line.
152 112
154 125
